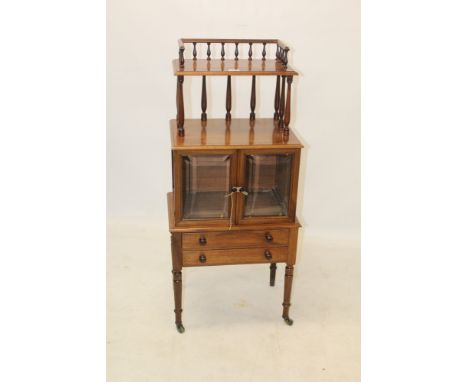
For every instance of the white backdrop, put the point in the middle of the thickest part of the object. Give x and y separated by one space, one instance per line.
325 49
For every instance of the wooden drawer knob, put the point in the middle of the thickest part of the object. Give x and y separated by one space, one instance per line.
268 237
202 259
202 240
267 254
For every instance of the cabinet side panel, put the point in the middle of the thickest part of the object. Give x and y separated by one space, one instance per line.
292 247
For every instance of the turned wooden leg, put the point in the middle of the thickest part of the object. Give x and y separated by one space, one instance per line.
177 279
272 274
288 278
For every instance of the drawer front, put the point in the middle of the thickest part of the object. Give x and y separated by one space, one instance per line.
234 256
235 239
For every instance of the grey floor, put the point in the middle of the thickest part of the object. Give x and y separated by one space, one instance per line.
234 329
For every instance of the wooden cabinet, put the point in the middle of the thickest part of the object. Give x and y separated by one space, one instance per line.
235 239
226 187
235 180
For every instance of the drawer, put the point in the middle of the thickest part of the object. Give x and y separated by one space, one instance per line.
234 256
235 239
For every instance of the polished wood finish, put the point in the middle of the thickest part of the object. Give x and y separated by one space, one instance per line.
236 239
288 279
194 50
277 98
236 67
231 40
177 275
202 228
214 218
282 55
223 52
228 99
212 135
203 99
180 106
252 100
242 179
191 258
293 234
177 160
272 274
282 101
181 52
287 112
237 176
281 49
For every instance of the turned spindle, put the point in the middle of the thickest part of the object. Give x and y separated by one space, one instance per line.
287 112
180 105
181 55
285 60
252 100
208 52
223 53
250 51
282 100
277 98
228 99
203 99
236 51
264 51
194 50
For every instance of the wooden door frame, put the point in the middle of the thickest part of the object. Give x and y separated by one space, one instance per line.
178 194
241 179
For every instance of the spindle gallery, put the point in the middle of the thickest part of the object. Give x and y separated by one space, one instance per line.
234 179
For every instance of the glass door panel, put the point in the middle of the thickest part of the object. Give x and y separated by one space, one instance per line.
268 179
205 183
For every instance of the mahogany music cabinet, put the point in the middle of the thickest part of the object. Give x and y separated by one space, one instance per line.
234 180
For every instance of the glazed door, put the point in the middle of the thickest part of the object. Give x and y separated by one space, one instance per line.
270 180
203 184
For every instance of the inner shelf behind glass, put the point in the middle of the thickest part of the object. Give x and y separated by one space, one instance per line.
206 182
268 184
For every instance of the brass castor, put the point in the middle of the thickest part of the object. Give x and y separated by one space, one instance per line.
180 328
288 321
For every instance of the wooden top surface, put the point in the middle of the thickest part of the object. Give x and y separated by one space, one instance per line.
241 67
238 134
201 228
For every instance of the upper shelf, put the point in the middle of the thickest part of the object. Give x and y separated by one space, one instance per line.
232 67
241 133
231 64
